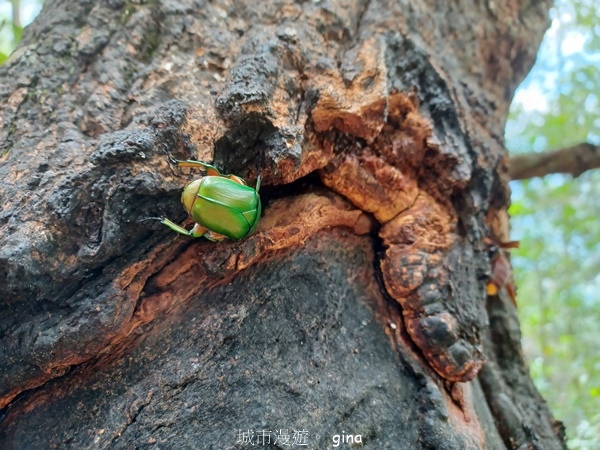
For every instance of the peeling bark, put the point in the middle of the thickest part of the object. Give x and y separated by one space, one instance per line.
359 304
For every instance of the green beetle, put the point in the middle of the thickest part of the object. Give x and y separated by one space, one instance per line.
221 205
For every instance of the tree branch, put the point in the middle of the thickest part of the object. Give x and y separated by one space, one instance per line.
573 160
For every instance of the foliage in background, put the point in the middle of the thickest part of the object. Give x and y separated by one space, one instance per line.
557 220
14 15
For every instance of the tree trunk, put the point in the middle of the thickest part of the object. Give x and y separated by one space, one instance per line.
357 309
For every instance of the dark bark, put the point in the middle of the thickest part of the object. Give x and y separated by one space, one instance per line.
573 160
365 315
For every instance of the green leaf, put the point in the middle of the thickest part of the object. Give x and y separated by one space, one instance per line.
17 33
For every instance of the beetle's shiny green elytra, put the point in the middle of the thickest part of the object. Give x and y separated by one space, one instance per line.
220 205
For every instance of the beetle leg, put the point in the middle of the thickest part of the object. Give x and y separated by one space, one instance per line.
197 231
235 178
257 183
240 180
210 169
214 237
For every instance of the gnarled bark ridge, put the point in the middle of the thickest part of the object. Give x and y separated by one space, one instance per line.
358 306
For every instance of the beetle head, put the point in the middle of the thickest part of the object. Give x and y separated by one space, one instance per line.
189 194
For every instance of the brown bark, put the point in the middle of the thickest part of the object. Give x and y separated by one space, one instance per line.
357 307
572 160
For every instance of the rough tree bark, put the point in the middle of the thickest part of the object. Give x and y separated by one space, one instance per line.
358 307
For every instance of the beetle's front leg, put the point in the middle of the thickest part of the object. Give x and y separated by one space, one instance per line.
196 231
211 170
